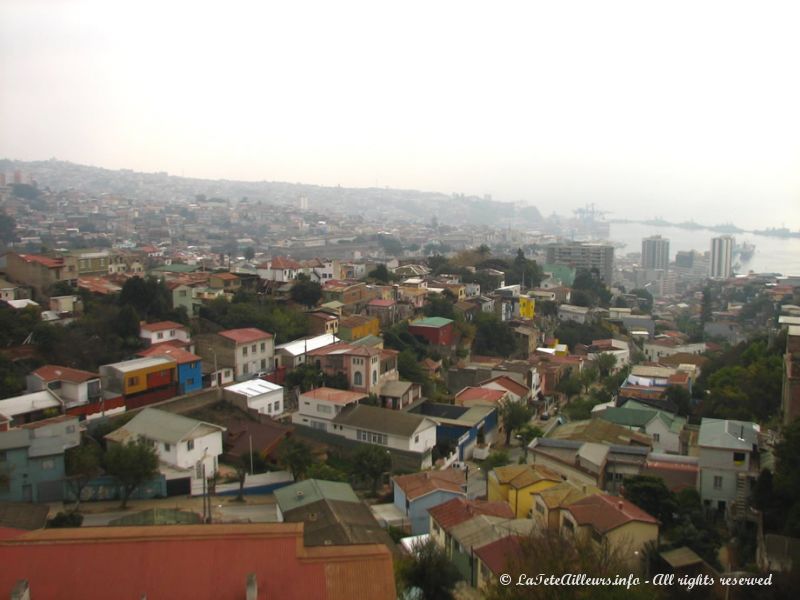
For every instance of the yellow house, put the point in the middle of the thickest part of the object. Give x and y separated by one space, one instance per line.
516 484
547 504
612 520
356 327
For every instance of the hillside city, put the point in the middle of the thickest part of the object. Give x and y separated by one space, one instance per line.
269 388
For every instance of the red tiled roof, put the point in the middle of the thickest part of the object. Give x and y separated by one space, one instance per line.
161 326
420 484
498 555
245 335
474 394
333 395
179 355
45 261
509 384
193 561
281 262
49 373
458 510
604 512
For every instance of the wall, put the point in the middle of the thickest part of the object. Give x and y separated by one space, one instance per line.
420 519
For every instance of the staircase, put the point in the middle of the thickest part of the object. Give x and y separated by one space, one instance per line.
739 508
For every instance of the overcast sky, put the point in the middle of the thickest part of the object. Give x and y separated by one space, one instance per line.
674 109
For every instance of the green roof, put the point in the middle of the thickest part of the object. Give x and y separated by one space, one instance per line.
565 274
628 417
313 490
432 322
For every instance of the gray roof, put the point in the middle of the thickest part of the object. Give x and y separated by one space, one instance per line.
336 522
306 492
731 435
163 426
395 389
381 420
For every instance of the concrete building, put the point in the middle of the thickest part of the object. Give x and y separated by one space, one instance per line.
721 257
790 393
246 352
655 252
584 256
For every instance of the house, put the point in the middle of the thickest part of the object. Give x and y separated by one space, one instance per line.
517 392
321 322
293 354
140 381
39 272
246 352
437 331
227 282
472 396
189 366
568 312
279 268
317 407
664 346
415 493
258 395
396 430
399 394
203 562
30 407
663 428
728 458
612 520
32 457
619 349
463 427
365 368
180 442
601 432
164 331
358 326
676 471
384 310
353 295
331 514
516 484
80 391
8 290
548 503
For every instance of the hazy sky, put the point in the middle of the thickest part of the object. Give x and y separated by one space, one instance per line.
676 109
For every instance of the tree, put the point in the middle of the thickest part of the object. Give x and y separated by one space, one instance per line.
483 251
380 273
249 253
496 458
131 464
325 472
652 496
493 337
440 306
295 456
588 376
606 363
428 570
391 246
646 299
680 397
514 415
82 464
8 229
241 467
569 386
306 292
371 462
526 434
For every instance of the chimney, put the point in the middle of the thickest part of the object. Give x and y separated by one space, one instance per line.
252 587
619 505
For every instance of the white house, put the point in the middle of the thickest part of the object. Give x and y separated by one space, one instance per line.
179 441
663 347
390 428
568 312
164 331
279 269
293 354
73 386
317 408
262 396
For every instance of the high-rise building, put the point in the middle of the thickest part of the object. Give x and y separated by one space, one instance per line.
655 252
721 266
584 255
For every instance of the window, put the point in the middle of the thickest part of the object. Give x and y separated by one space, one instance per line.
245 369
167 447
253 348
318 425
160 335
48 464
263 346
244 351
358 379
190 445
656 437
374 377
717 482
738 458
171 333
133 381
323 408
276 407
539 508
416 439
263 364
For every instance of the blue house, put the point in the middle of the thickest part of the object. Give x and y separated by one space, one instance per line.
414 494
462 427
32 459
190 372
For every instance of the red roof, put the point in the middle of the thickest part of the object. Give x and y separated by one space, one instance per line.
281 262
507 383
420 484
179 355
192 561
245 335
45 261
604 512
333 395
498 555
383 303
228 276
478 394
50 373
458 510
161 326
